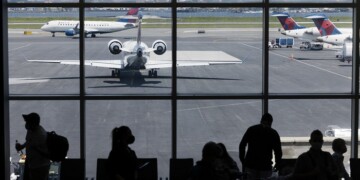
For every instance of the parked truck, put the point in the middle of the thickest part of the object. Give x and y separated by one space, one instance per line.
284 42
345 54
307 45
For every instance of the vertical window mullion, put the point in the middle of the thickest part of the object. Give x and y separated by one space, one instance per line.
265 51
174 80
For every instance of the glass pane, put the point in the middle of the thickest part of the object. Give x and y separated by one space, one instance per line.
306 51
211 49
59 116
128 71
214 120
151 127
310 1
296 119
35 56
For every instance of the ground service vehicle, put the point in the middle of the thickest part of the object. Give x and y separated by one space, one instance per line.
307 45
345 54
284 42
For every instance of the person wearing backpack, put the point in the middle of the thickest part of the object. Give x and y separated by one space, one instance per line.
37 163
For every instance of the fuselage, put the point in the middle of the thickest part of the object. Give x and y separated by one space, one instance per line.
99 26
137 57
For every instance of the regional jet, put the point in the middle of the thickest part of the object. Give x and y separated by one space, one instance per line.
71 28
135 56
329 32
292 29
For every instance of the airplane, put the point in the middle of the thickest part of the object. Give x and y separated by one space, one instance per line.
71 28
135 56
329 33
292 29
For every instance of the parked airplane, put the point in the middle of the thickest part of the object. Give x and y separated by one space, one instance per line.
135 55
292 29
329 32
71 28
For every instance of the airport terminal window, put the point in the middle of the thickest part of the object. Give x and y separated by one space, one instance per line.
225 121
149 121
223 36
298 64
30 48
283 87
128 79
59 116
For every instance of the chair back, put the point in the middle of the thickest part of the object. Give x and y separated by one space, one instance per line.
147 169
180 168
101 169
72 169
355 168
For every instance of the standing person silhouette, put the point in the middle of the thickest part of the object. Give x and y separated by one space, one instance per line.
122 159
339 148
261 140
36 164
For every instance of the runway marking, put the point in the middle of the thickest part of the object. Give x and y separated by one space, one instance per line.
319 68
20 47
217 106
14 81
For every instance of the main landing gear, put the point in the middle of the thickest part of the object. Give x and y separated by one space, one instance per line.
115 73
152 73
53 34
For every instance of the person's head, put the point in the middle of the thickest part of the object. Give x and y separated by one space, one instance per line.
339 146
223 152
122 136
266 120
32 120
316 139
211 151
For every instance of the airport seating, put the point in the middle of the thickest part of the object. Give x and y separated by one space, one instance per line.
287 166
72 169
355 168
101 169
180 168
148 169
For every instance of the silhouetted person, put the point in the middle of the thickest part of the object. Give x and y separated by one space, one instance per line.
122 159
339 148
315 164
229 162
37 164
261 140
211 167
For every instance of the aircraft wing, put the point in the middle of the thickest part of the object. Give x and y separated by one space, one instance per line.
96 63
89 30
191 58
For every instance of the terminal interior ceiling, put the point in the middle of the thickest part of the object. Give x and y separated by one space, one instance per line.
241 71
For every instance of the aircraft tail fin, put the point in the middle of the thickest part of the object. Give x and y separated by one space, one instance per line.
138 39
324 25
287 22
130 16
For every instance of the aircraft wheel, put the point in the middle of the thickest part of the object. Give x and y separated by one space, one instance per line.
155 73
93 35
53 35
113 73
150 73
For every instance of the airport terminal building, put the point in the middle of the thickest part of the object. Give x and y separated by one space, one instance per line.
204 71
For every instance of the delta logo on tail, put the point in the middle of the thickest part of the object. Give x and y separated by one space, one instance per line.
133 12
287 22
324 25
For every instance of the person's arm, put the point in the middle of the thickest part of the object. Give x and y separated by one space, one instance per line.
19 146
242 147
277 151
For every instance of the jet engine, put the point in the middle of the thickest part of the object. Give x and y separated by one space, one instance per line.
70 32
115 46
159 46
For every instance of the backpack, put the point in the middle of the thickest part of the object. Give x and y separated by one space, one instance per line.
57 145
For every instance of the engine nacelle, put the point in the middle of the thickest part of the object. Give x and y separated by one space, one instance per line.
70 32
159 46
115 46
